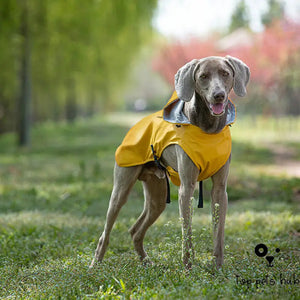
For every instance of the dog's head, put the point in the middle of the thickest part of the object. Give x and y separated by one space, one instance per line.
212 78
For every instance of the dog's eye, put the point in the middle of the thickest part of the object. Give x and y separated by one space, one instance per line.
204 76
225 73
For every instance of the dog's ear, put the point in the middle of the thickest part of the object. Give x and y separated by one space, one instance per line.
241 75
185 81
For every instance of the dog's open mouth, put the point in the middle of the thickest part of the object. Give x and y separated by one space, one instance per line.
218 108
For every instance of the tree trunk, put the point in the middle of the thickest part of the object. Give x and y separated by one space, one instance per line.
24 109
71 108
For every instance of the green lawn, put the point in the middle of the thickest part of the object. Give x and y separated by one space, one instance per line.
53 201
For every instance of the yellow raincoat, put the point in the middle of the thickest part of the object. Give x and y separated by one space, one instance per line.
209 152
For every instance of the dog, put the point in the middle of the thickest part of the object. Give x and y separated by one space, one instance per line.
201 98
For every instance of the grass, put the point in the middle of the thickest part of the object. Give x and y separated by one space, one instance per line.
53 202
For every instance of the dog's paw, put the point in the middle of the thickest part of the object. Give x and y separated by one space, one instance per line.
94 263
147 262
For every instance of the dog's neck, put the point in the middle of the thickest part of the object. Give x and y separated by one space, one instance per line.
199 115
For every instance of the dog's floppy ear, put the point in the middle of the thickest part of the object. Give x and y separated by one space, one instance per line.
241 75
185 81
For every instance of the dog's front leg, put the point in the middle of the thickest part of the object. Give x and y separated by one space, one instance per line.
219 209
185 210
188 174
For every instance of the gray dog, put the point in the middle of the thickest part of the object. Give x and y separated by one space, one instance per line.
198 116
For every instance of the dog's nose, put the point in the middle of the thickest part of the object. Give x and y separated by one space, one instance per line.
219 96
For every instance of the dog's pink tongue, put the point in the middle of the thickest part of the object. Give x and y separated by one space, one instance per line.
217 108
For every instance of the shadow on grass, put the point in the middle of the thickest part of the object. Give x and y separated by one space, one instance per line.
266 188
251 154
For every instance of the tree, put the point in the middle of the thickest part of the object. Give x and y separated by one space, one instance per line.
69 55
275 12
9 76
24 108
176 54
240 17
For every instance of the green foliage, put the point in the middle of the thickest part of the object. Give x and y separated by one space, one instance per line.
80 52
53 202
275 12
8 51
240 17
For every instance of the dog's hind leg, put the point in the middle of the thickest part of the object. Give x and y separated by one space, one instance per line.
124 179
155 192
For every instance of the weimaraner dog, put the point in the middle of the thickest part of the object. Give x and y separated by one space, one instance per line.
203 85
